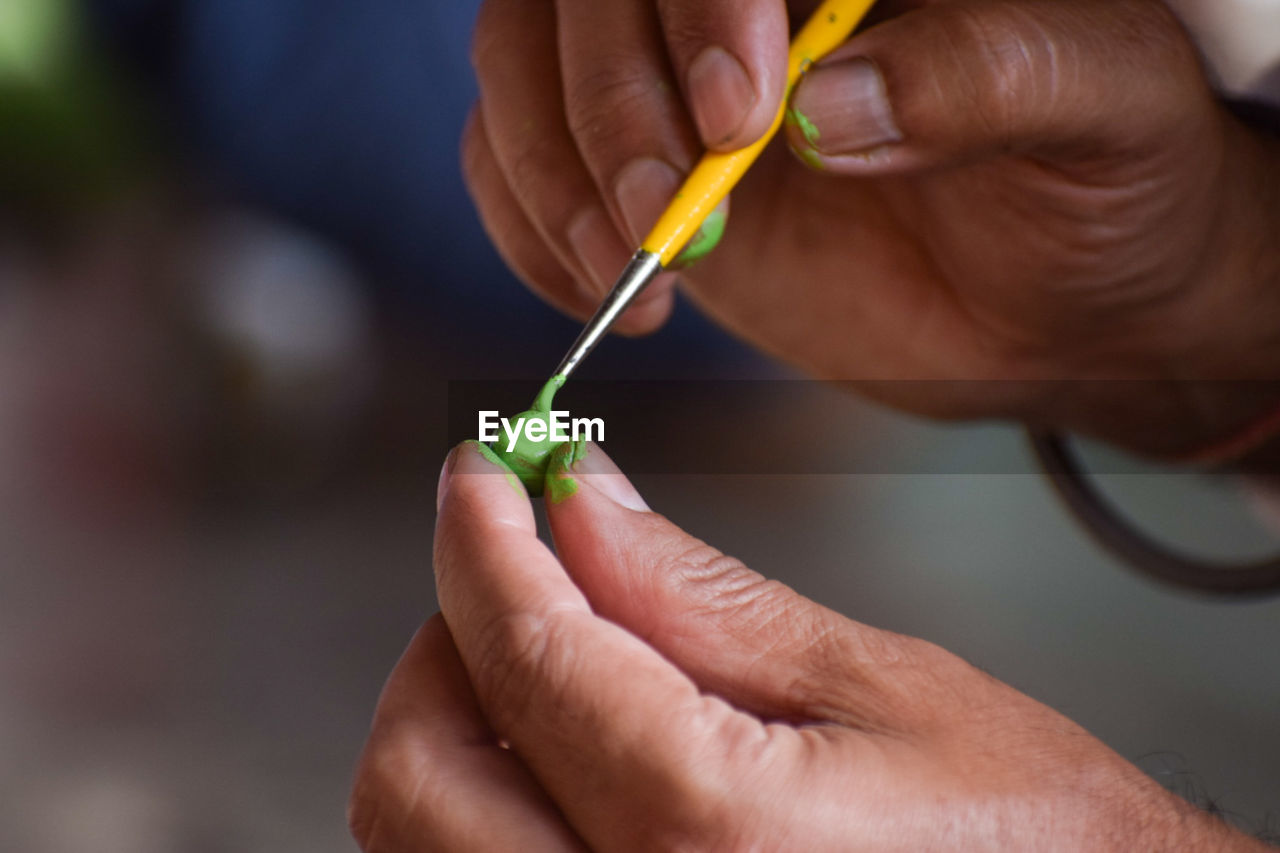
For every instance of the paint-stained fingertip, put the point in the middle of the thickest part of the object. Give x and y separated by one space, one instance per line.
584 465
470 460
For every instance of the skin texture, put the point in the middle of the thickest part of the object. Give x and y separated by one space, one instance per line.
1066 202
640 690
529 459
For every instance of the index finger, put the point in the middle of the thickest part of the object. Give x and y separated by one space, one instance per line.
610 729
731 59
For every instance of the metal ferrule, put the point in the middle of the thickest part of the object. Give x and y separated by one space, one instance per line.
639 274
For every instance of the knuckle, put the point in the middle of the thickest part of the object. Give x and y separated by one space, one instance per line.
522 655
1151 28
831 673
389 785
686 28
1158 52
528 166
606 104
877 676
1007 58
488 38
719 585
702 795
701 563
699 812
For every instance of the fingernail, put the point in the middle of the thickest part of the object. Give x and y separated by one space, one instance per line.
644 188
844 108
474 457
446 473
560 484
721 95
599 249
590 465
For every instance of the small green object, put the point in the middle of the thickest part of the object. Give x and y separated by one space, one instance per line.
529 459
37 40
705 241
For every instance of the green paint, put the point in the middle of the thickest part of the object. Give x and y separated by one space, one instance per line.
529 459
547 396
560 483
487 452
807 128
813 158
705 241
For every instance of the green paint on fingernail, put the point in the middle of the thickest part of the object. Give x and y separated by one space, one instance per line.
487 452
813 158
705 241
807 128
560 484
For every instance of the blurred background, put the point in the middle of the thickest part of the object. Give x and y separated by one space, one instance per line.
239 277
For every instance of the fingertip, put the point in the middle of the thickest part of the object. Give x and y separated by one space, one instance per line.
757 120
843 107
649 314
531 258
583 468
800 148
722 97
475 486
599 249
879 161
731 56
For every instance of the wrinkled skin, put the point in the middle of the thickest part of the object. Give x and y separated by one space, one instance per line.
645 692
1065 200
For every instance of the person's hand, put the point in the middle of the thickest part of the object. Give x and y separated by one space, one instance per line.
1004 190
646 692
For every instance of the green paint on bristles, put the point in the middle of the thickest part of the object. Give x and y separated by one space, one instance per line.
705 241
547 395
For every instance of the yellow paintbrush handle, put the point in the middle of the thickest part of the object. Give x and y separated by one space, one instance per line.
717 174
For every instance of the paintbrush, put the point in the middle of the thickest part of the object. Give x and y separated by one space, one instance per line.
710 182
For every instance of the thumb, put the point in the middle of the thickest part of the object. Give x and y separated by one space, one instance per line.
959 81
752 641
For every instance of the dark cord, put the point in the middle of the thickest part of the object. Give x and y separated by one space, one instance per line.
1139 551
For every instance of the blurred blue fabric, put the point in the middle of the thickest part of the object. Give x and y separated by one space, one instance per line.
345 115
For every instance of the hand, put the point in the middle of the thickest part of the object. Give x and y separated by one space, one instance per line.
646 692
1005 191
